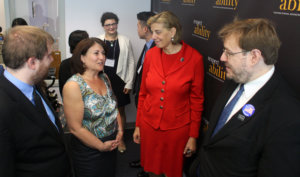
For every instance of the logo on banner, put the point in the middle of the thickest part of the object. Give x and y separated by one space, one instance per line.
188 2
289 8
200 30
215 70
226 4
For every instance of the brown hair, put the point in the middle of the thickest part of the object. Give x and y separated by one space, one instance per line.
108 15
254 34
23 42
82 47
169 20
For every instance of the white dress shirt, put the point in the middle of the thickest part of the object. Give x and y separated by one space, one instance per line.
250 90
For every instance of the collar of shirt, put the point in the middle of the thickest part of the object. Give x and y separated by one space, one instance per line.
25 88
149 43
1 68
252 87
250 90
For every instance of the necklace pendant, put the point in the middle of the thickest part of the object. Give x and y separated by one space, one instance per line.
111 44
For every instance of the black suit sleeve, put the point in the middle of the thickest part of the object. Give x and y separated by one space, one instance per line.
64 74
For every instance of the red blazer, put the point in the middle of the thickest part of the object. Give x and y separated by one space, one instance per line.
174 99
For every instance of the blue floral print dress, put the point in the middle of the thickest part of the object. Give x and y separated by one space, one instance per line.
100 111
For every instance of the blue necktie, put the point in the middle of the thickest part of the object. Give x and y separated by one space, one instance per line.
145 50
227 110
1 69
38 102
40 106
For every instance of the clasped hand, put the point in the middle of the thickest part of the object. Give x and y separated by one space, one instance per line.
112 144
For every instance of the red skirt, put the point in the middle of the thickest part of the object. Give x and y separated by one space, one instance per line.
162 150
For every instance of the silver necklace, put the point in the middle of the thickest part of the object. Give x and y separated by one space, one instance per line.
112 43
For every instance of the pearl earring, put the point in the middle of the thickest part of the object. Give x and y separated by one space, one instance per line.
172 39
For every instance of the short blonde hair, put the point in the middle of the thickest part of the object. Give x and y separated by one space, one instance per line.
169 20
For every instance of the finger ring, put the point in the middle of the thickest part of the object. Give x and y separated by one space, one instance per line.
188 151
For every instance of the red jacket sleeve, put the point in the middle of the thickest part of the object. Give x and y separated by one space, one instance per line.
197 96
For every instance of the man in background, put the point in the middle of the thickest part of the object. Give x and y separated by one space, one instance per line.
145 33
18 22
254 127
65 66
31 137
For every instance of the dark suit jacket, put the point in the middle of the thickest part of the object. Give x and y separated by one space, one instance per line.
174 99
64 73
138 77
30 145
267 144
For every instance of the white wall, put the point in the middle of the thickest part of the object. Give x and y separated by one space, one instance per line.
2 15
85 15
3 5
55 16
19 8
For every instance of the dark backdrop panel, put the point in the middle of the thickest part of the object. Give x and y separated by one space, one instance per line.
201 20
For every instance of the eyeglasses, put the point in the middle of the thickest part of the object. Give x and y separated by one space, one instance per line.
229 54
109 25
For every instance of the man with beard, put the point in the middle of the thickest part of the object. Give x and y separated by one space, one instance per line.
254 127
31 137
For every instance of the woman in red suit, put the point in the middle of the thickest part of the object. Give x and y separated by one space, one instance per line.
170 100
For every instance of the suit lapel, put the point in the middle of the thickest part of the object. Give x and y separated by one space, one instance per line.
179 63
182 60
157 62
142 53
138 77
228 88
57 121
257 101
37 118
141 56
